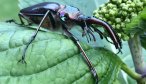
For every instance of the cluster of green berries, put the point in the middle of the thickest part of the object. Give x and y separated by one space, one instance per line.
120 12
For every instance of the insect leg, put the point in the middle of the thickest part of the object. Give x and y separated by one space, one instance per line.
20 17
24 17
11 20
86 31
52 20
32 38
91 67
101 34
91 33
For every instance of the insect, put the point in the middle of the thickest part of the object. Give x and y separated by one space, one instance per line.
53 16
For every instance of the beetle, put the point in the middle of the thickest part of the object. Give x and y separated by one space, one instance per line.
53 15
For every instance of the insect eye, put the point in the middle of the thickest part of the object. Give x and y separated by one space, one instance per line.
64 16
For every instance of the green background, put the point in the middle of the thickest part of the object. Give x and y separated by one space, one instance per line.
8 9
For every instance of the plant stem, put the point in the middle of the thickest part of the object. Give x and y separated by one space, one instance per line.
132 74
136 52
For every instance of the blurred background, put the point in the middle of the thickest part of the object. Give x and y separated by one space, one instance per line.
8 9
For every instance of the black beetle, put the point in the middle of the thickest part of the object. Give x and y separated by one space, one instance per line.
52 15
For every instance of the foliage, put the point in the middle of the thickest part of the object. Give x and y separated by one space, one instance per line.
52 58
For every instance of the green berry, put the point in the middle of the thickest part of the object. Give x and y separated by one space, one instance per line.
118 26
123 25
107 15
110 6
109 22
112 12
124 13
118 20
120 12
132 5
127 20
114 26
133 14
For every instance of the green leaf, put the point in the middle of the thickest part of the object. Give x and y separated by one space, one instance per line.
137 24
51 58
131 81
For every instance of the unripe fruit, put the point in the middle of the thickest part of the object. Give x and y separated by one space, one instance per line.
118 13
